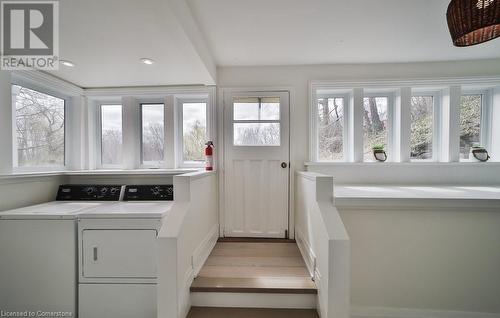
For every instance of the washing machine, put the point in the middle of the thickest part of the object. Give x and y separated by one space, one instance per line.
117 249
38 251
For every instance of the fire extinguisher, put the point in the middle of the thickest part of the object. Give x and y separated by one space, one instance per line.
209 154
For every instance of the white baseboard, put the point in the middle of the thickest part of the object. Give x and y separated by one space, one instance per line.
389 312
254 300
306 251
203 250
184 294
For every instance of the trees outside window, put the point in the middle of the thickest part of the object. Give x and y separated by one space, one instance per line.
39 128
194 131
153 133
375 123
422 119
111 134
330 116
470 123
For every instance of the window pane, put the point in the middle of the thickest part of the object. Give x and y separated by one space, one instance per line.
374 124
39 128
256 134
330 128
194 123
422 110
153 136
111 134
470 123
257 108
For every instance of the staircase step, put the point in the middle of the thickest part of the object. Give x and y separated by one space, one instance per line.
254 300
254 275
214 312
286 285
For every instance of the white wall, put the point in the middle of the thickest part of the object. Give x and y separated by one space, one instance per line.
24 191
424 259
444 259
324 243
5 123
298 77
185 240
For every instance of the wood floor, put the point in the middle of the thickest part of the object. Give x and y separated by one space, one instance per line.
214 312
255 267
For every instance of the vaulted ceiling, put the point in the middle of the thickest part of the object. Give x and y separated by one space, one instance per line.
189 38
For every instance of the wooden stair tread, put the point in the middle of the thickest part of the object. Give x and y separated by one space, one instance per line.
285 285
217 312
246 249
254 267
281 261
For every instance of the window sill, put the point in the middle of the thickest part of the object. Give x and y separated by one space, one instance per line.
411 163
114 172
417 197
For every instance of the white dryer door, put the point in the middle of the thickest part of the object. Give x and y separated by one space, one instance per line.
119 253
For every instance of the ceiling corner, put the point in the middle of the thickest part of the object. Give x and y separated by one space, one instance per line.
190 27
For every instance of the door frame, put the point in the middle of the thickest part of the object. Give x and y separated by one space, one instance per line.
222 93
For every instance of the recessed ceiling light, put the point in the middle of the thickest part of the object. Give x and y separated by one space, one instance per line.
67 63
147 61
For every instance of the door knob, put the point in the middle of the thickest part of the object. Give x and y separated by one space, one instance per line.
284 165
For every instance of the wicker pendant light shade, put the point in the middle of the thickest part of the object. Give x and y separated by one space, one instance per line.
473 21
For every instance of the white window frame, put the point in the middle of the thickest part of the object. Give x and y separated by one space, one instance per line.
152 102
98 117
436 123
390 95
179 105
486 116
345 122
67 109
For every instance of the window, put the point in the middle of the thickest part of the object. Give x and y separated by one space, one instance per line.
375 123
422 130
470 123
330 121
39 129
153 133
111 134
256 121
194 131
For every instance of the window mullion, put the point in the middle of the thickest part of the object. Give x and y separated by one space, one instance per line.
131 158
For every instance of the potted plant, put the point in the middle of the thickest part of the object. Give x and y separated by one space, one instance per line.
479 153
379 152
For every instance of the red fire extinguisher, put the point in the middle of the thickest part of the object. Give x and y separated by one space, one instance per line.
209 154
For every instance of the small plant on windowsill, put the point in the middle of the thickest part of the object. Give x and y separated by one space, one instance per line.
379 152
479 153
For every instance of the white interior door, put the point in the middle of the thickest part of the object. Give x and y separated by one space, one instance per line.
256 164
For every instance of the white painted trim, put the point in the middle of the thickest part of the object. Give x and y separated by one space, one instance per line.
306 251
179 113
203 250
185 293
390 312
147 92
219 109
487 81
254 300
50 82
356 125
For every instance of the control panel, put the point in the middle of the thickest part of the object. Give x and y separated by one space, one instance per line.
89 192
164 192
